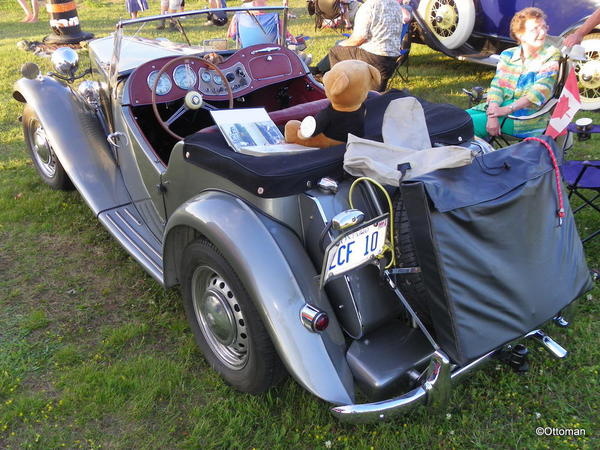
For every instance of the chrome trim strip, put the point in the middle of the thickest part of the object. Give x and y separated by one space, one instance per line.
132 247
136 233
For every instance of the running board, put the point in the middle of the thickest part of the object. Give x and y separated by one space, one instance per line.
491 60
126 225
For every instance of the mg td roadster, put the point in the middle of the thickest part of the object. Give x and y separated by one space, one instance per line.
286 263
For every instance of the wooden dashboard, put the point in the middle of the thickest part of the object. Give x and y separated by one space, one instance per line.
247 70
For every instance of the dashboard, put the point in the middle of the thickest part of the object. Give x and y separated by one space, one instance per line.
247 70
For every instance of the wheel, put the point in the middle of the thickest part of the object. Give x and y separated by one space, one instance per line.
451 21
225 322
412 286
44 159
588 73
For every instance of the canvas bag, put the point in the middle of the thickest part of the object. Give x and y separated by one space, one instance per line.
405 140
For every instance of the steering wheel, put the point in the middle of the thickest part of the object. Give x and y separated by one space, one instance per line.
193 99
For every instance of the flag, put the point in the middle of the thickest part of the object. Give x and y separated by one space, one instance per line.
564 111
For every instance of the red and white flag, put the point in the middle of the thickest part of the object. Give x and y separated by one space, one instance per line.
564 111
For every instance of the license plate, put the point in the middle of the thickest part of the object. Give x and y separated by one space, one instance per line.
354 249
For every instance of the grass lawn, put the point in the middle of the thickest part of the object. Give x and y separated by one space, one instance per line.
95 354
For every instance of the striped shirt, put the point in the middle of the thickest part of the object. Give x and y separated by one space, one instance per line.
533 78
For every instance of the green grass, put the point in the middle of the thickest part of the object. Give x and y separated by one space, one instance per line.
94 354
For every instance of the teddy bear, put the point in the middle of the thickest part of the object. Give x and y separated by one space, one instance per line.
346 86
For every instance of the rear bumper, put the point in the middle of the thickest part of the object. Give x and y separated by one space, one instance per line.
434 391
436 383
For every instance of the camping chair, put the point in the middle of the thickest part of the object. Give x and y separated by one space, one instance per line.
583 179
402 59
564 141
257 29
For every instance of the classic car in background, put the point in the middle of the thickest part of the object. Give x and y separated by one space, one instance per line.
478 30
287 264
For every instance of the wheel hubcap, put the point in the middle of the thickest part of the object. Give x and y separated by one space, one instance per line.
220 317
42 151
444 17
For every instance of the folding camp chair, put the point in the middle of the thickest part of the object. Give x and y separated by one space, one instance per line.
255 29
583 180
402 59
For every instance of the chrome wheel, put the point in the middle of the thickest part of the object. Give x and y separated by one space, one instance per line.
588 73
220 317
41 149
42 154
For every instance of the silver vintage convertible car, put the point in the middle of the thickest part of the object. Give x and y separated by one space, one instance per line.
375 298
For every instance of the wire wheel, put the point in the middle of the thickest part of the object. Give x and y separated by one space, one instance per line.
451 21
588 73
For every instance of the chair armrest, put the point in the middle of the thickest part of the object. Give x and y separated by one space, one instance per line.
547 107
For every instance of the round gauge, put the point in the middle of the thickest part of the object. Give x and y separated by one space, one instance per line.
205 76
184 77
217 79
164 84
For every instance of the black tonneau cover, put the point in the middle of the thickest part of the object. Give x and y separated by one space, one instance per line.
282 175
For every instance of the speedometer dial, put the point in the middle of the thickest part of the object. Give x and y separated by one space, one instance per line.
184 77
164 83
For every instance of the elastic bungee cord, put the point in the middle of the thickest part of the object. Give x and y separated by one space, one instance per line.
561 207
389 246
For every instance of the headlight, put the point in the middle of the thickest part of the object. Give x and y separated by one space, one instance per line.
66 61
90 91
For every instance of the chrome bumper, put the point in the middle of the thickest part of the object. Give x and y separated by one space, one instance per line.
434 390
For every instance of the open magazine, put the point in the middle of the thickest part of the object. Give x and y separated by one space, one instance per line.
251 131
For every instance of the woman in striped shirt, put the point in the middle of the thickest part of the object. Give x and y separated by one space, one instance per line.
524 80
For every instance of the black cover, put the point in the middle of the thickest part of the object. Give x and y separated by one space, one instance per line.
447 124
282 175
495 262
265 176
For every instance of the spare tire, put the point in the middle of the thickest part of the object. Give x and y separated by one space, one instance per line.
451 21
412 286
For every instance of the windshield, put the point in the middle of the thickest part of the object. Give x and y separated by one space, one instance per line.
139 40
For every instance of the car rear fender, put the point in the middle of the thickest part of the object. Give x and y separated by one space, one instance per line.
279 277
78 139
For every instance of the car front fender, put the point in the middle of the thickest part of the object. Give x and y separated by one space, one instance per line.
77 138
279 277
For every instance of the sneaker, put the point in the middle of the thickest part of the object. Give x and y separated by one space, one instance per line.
161 25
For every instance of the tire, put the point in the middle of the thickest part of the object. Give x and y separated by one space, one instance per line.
451 21
225 322
43 156
412 286
588 73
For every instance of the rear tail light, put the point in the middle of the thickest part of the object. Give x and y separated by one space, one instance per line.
313 318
